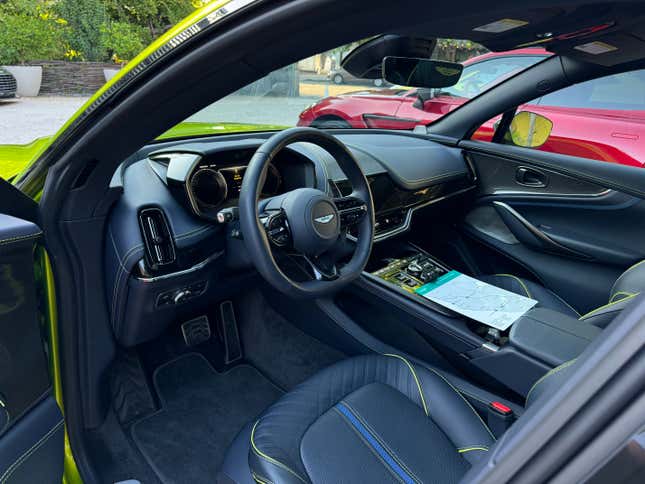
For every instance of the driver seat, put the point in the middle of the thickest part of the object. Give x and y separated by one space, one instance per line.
369 419
372 418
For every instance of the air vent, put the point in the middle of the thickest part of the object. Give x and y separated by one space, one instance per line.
160 249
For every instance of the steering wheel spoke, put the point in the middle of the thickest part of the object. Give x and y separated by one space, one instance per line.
351 210
324 268
276 227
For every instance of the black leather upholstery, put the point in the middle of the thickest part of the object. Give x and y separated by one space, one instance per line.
625 289
546 298
369 419
32 450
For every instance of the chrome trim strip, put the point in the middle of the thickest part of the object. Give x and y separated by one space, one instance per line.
606 191
196 267
548 241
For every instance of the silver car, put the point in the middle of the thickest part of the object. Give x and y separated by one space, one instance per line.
7 84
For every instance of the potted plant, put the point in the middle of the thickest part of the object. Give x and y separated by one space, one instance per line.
28 35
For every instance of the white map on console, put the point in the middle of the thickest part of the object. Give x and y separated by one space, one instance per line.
477 300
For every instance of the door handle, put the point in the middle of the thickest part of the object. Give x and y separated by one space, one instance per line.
530 177
530 235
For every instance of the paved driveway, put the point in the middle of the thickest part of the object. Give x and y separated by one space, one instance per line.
22 120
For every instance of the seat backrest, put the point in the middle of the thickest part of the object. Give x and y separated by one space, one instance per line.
629 285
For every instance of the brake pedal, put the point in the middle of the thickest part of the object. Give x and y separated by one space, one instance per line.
230 335
196 331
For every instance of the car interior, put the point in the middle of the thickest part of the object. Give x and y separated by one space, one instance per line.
254 312
206 344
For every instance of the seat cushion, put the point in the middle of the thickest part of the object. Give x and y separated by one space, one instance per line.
546 298
373 418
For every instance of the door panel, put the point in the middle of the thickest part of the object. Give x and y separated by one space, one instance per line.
575 235
31 437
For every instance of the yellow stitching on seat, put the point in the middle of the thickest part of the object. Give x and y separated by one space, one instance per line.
553 371
591 313
520 281
633 267
260 480
273 461
461 450
621 293
416 379
463 398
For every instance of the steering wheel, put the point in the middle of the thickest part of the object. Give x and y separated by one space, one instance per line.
305 221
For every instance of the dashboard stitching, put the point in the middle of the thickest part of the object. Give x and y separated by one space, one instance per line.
202 229
124 271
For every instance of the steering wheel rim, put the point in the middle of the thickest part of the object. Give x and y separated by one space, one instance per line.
254 231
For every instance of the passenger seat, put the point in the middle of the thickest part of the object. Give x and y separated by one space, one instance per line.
626 288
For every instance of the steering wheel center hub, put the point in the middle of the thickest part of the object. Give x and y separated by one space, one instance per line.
313 220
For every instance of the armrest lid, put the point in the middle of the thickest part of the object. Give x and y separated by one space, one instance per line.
550 336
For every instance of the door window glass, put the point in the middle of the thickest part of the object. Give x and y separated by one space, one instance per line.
602 119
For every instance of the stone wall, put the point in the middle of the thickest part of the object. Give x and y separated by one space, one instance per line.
62 78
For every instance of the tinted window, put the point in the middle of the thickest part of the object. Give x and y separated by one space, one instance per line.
624 91
481 76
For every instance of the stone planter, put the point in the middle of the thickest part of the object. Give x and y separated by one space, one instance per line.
109 74
28 79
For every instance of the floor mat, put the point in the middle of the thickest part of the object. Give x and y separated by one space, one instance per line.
202 412
281 351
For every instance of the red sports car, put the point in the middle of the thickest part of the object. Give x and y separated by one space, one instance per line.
588 119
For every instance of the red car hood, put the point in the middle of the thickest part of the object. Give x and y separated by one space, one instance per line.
376 93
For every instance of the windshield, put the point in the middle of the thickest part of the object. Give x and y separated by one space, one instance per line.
318 92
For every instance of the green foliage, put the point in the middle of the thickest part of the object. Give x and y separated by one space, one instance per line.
91 30
122 41
29 33
85 19
155 15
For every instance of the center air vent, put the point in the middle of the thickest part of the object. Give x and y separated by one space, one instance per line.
160 249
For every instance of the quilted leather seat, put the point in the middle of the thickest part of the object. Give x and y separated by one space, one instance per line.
369 419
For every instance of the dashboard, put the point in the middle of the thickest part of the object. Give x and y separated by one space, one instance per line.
165 248
208 181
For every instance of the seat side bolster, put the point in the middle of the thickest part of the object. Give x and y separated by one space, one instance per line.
452 412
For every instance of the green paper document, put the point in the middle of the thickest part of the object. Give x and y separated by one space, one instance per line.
477 300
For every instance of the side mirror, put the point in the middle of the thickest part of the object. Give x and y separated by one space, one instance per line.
530 130
415 72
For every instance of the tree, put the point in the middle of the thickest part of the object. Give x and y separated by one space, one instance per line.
29 32
86 19
123 41
156 16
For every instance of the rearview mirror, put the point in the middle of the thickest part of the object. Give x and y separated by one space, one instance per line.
530 130
366 60
415 72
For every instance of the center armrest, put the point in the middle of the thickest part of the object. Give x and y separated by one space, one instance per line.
550 336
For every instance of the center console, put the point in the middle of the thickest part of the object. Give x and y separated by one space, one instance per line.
536 342
411 272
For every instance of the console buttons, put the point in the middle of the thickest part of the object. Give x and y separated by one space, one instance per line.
181 295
